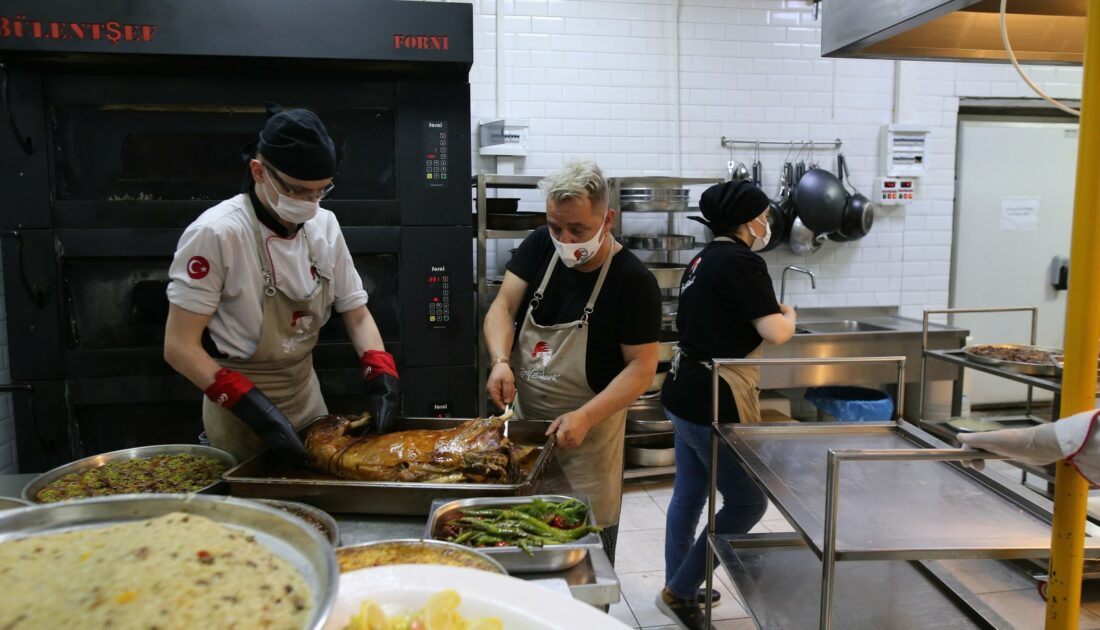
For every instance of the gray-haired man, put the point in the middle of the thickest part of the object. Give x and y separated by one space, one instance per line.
574 333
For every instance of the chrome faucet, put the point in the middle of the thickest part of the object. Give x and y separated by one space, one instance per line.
783 280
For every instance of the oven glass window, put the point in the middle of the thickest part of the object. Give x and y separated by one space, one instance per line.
176 152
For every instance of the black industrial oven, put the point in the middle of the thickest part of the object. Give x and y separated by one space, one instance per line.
124 121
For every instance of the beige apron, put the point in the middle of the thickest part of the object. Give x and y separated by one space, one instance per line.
551 380
282 365
742 379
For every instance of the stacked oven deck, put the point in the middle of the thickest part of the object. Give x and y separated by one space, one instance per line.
117 156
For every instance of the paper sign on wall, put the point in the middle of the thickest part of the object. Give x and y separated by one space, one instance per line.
1019 214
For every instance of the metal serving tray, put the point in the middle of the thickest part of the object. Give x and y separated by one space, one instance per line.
902 509
265 476
288 537
328 528
1052 368
550 558
31 490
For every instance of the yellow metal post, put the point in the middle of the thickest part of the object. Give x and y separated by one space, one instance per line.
1082 331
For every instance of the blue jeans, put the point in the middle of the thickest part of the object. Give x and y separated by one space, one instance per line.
743 505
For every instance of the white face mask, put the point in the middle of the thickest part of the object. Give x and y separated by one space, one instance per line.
290 209
573 254
760 242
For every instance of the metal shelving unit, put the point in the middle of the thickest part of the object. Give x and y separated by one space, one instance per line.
485 287
960 359
671 256
888 495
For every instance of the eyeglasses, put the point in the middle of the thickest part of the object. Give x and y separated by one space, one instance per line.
298 192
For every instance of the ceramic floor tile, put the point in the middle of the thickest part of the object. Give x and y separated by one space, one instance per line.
633 489
659 486
640 550
662 500
720 624
622 612
772 512
1025 609
640 512
779 525
988 576
641 590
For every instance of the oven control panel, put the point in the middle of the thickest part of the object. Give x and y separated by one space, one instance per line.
439 296
435 153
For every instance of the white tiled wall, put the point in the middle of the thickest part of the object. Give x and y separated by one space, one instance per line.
597 79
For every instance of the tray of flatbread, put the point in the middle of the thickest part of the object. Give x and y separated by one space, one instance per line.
165 561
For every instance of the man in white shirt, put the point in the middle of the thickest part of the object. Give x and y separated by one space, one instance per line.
262 272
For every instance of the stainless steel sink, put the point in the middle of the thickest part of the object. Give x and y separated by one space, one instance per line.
842 326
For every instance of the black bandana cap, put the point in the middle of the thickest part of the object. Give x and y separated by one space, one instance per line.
730 204
295 142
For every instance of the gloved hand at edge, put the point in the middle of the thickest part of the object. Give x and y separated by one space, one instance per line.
383 389
1073 438
237 393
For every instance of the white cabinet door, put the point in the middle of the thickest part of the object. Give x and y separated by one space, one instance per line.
999 258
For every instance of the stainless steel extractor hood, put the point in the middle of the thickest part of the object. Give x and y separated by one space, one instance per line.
1049 31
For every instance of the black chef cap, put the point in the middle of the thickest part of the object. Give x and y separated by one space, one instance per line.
295 142
730 204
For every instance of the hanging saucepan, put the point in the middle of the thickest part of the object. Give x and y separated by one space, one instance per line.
802 240
820 198
859 216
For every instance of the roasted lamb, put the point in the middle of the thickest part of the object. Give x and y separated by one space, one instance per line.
473 452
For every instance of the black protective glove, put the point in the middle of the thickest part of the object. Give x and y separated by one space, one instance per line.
275 429
383 402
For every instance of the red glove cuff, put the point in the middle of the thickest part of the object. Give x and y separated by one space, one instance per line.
376 363
228 388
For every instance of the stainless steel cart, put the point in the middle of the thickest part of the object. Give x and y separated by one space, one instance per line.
887 494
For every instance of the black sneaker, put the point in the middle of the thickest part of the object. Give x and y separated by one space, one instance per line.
685 612
715 596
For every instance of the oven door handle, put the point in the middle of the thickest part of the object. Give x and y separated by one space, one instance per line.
70 311
36 294
21 139
11 388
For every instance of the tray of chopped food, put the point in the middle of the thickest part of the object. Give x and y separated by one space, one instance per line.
381 553
524 534
163 468
401 472
166 561
1024 359
320 520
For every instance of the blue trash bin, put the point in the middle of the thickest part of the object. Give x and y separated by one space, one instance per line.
852 404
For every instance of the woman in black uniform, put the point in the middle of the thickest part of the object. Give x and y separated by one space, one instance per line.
727 310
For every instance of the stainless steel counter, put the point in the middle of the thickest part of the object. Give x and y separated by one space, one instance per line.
593 581
858 332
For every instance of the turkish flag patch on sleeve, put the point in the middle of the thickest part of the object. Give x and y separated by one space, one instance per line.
198 267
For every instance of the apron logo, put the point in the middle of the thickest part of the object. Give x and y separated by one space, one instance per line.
542 353
538 374
197 267
301 322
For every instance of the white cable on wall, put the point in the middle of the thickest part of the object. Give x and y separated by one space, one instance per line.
678 134
1012 57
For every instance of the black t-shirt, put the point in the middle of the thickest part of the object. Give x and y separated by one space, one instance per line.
627 311
724 288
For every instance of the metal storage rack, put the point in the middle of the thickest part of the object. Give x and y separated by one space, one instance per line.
960 359
485 288
671 256
907 502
